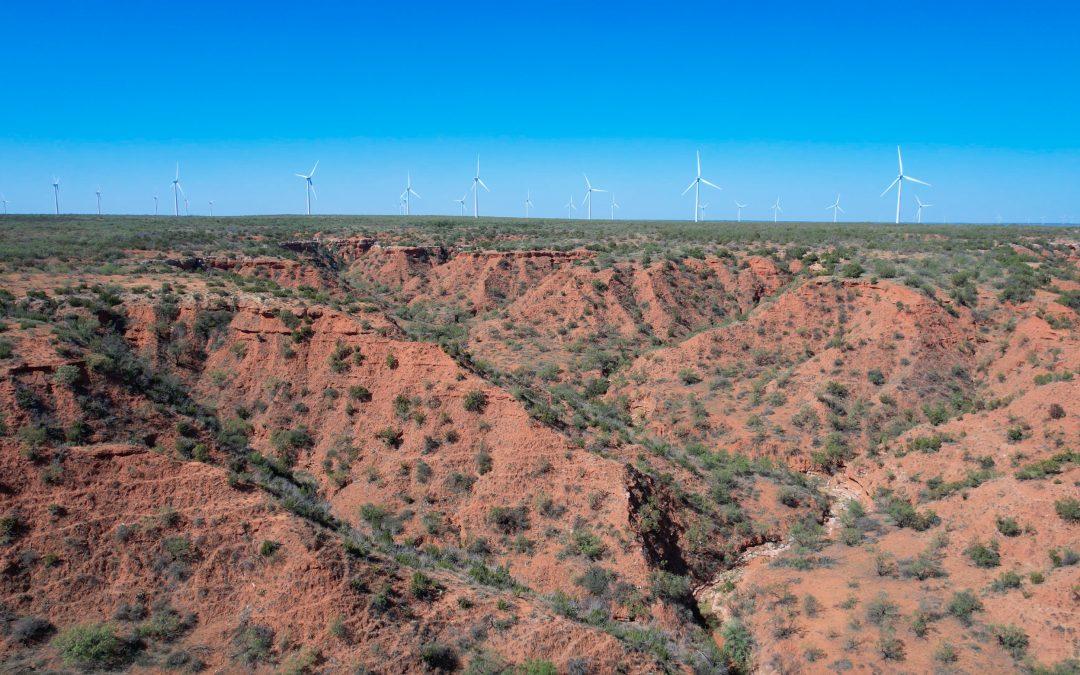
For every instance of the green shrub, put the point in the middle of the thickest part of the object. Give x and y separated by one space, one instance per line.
1006 581
963 604
475 401
738 646
359 393
1063 557
984 555
438 656
875 376
390 437
509 519
1008 526
1069 509
93 647
1013 639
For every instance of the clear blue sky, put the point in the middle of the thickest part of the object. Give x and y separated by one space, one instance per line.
800 100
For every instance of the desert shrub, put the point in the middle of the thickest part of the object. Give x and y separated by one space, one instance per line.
738 646
390 437
1006 581
30 629
584 542
165 625
11 526
509 519
438 656
93 647
1069 509
66 375
1008 526
1063 557
484 461
963 604
891 648
1013 639
422 471
881 611
875 376
1015 433
423 587
904 513
671 587
1056 411
833 455
927 444
459 483
475 401
1049 466
536 667
268 548
596 579
359 393
254 643
983 555
689 376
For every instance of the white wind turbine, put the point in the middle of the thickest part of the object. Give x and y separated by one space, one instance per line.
703 207
835 206
461 202
187 206
918 212
476 185
56 193
587 200
528 202
211 208
98 193
176 192
408 193
155 205
899 183
776 209
738 211
696 185
570 208
614 205
309 187
3 200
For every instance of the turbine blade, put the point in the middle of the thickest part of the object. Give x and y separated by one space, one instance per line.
711 184
300 175
900 159
916 180
415 194
689 186
313 169
479 180
699 163
895 181
313 193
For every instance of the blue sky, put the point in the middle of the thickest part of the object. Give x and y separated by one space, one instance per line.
800 100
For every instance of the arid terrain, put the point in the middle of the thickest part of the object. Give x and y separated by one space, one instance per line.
400 445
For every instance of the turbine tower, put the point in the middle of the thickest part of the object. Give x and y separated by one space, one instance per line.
56 193
155 205
187 206
899 183
696 184
98 193
614 205
211 208
776 209
3 200
309 187
703 207
918 212
176 192
835 206
570 208
408 193
476 185
589 189
461 202
528 202
738 211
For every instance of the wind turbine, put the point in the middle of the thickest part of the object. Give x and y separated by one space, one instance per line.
528 202
409 192
703 207
98 193
776 209
211 208
614 205
309 187
476 185
4 201
835 206
899 183
187 206
461 202
696 184
56 193
176 191
738 211
155 205
570 208
918 212
589 189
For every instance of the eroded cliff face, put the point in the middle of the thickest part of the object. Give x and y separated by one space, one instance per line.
310 473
